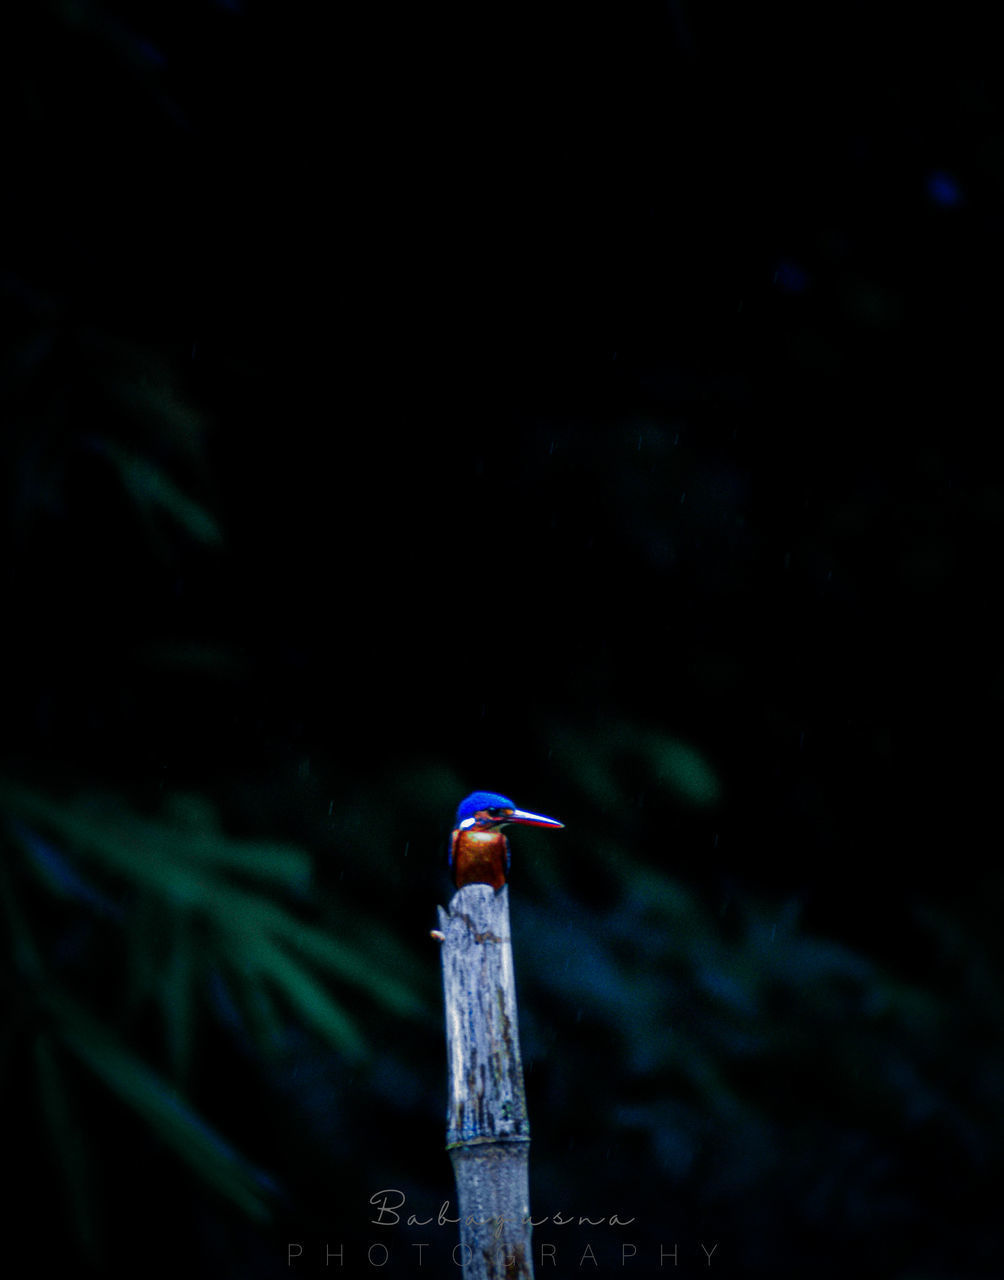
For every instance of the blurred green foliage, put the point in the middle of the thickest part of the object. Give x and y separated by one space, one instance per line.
186 906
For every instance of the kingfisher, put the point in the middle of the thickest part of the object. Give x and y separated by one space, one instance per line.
479 851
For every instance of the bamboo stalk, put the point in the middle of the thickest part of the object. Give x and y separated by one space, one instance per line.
487 1130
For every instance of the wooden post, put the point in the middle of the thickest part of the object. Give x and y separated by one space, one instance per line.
487 1131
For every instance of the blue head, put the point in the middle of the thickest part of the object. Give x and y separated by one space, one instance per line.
482 802
489 811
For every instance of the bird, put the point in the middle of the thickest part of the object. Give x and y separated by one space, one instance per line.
479 851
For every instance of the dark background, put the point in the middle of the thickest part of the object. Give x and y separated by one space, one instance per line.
599 403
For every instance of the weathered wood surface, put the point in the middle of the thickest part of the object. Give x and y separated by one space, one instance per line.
487 1130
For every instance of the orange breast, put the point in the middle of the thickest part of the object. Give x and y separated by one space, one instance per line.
480 857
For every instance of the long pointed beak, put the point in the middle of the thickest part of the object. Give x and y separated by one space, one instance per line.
532 819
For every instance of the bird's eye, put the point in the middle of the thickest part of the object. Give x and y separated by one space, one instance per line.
496 813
